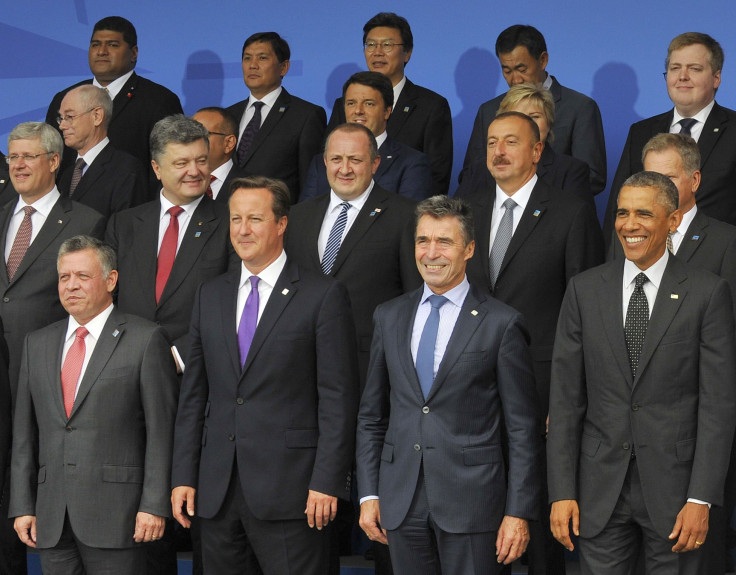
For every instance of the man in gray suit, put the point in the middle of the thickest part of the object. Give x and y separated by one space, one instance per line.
448 364
642 402
93 428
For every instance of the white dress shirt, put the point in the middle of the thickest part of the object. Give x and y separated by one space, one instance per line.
183 219
42 205
679 234
268 101
114 87
333 211
521 197
697 128
268 277
92 153
220 173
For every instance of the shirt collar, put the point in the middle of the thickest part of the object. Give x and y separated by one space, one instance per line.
269 99
654 272
547 84
456 295
188 208
114 87
223 170
94 151
521 196
357 203
687 219
701 116
42 205
397 91
381 138
269 274
94 326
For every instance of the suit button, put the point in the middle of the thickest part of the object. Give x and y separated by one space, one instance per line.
69 429
6 299
635 407
625 445
417 447
231 437
425 409
240 401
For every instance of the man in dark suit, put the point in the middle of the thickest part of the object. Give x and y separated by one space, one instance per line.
279 134
642 404
103 178
578 129
369 100
137 102
7 192
526 258
421 118
222 130
693 73
266 420
94 426
441 380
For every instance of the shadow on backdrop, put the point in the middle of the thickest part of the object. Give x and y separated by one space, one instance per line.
204 81
476 81
338 76
616 89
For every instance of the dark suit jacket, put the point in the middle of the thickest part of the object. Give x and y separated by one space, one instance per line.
136 108
402 170
31 300
117 439
455 434
578 131
114 182
288 139
717 144
557 237
7 191
5 411
422 120
223 196
375 262
558 170
205 252
287 419
678 412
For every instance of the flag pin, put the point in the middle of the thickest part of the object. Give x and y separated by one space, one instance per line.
197 234
474 312
674 296
115 333
536 213
284 291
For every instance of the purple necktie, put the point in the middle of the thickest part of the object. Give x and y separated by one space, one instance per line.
248 320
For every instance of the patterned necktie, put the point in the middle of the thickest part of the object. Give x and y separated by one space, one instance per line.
427 343
21 242
637 320
502 240
335 239
249 134
249 320
167 253
208 191
670 243
72 368
76 175
686 125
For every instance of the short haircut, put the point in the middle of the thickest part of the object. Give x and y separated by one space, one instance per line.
93 97
521 35
391 20
281 203
374 80
230 125
442 206
105 253
279 46
176 129
118 24
49 137
667 194
684 145
535 94
352 128
689 39
532 123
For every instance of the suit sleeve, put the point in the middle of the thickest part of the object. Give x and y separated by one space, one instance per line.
416 180
438 146
476 143
584 246
568 402
310 141
5 410
623 171
310 188
338 390
337 116
577 181
589 144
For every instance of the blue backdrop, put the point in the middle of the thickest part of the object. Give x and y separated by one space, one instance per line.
612 51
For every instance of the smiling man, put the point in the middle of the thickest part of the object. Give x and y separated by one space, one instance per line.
137 102
693 74
642 402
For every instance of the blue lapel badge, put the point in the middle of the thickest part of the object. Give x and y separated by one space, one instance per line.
115 333
536 213
406 109
695 238
282 109
375 212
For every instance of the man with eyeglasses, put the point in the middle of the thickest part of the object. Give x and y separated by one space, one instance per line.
223 136
31 231
102 177
693 74
138 103
421 119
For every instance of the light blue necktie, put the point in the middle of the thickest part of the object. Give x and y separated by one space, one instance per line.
425 352
335 238
502 240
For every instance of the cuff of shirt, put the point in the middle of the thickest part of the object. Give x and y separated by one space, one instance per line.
367 498
698 501
178 357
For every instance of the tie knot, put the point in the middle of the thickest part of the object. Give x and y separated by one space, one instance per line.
254 282
437 301
29 211
79 164
640 280
174 211
81 332
686 125
345 206
509 204
258 105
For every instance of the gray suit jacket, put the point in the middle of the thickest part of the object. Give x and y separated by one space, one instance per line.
485 377
678 413
112 457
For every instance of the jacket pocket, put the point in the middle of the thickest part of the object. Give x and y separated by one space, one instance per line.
387 453
590 444
482 455
122 473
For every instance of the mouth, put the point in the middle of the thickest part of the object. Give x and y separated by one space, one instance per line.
631 240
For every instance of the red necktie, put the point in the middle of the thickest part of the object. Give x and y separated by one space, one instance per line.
72 368
21 242
208 191
167 253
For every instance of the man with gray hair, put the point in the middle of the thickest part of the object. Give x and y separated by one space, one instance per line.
92 449
102 177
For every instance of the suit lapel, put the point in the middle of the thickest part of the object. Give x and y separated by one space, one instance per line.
94 172
313 226
145 244
124 96
715 125
274 117
404 328
483 209
612 315
694 236
5 215
402 109
228 310
387 152
56 347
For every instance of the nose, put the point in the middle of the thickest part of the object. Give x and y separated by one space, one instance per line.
344 166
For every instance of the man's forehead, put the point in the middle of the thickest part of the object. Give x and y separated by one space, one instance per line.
24 143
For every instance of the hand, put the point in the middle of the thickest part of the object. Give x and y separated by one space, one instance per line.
562 513
513 537
148 527
321 509
25 527
691 527
370 521
181 496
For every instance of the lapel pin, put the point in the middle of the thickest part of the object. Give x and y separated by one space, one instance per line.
474 312
375 212
406 109
197 234
284 291
59 222
115 333
282 109
695 238
674 296
536 213
2 181
199 223
715 129
389 157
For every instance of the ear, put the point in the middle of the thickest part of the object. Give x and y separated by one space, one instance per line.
156 169
284 68
543 60
229 143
